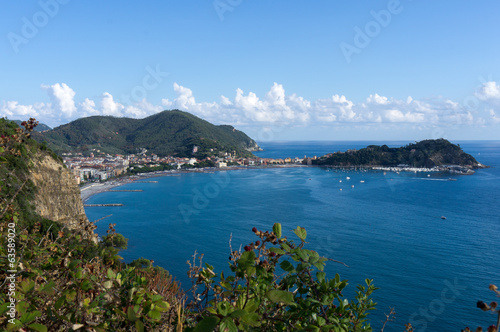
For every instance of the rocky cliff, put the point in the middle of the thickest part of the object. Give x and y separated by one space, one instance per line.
57 196
35 186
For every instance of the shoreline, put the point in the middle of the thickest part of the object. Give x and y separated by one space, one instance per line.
89 190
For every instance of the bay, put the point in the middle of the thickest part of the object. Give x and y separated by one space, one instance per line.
388 228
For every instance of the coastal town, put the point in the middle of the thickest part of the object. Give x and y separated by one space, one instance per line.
99 166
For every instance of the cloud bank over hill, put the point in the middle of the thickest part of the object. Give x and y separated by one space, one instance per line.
276 108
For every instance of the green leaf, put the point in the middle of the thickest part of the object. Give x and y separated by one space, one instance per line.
277 229
287 266
29 317
277 250
48 288
319 265
139 326
86 285
4 308
131 314
301 233
14 327
60 302
108 284
156 298
279 296
285 246
321 276
251 319
207 324
79 273
70 296
247 257
27 286
154 315
238 313
302 253
227 325
223 308
21 307
111 274
38 327
162 306
74 263
252 305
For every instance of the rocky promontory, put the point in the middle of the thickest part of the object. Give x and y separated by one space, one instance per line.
432 153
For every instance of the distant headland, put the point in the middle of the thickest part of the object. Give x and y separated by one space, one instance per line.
431 155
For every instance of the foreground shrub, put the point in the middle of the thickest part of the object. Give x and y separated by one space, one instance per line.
275 285
61 280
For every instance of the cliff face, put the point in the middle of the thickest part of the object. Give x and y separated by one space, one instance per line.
58 196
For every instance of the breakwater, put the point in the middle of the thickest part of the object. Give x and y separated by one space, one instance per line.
135 190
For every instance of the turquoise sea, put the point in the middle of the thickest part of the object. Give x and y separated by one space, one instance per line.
388 228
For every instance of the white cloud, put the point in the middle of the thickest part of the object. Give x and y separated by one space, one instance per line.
489 90
494 117
274 109
398 116
88 107
61 96
376 99
109 106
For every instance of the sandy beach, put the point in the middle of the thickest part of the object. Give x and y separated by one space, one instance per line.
95 188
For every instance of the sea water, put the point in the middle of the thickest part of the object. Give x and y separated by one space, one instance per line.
388 228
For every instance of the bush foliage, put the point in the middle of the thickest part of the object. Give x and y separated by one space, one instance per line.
62 280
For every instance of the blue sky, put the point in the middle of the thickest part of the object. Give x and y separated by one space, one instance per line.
278 70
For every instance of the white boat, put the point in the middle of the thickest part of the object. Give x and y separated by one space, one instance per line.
347 178
362 181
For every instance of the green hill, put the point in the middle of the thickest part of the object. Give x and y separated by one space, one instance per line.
166 133
427 153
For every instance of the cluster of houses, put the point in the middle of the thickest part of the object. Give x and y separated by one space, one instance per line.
100 166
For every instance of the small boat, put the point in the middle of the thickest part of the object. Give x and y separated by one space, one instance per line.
352 186
347 178
443 217
340 189
362 181
340 181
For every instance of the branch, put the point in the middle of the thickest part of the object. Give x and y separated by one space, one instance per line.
390 317
336 261
45 234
